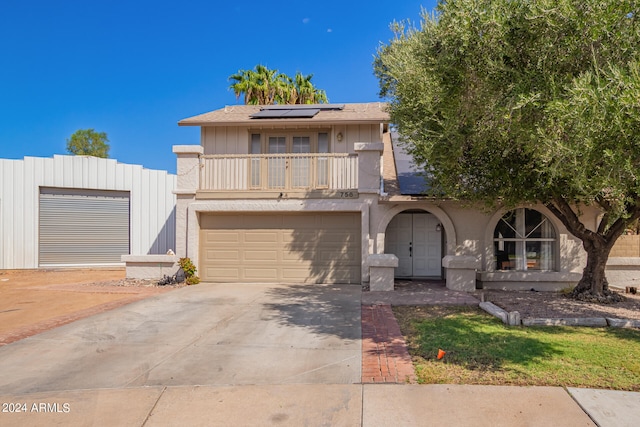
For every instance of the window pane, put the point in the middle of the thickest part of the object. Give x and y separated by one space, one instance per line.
300 172
323 143
322 163
276 170
533 221
301 144
505 253
506 227
255 144
540 256
519 244
277 144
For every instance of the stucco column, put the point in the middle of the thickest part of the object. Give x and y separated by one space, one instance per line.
461 272
382 268
188 170
369 154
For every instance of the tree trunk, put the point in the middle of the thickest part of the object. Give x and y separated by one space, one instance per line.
593 276
593 285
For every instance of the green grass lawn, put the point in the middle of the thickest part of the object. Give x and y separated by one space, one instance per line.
481 350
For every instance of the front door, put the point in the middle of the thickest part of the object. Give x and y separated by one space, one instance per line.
416 239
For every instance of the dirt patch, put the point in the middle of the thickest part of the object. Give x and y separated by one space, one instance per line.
557 305
33 301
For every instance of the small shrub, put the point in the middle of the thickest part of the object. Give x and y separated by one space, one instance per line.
189 271
193 280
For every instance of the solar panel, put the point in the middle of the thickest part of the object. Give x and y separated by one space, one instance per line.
294 111
285 113
303 107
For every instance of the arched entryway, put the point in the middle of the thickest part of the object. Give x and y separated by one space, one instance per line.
417 238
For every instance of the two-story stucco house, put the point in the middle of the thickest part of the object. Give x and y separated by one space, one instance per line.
316 194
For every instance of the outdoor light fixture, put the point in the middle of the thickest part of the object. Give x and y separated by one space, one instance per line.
439 227
339 136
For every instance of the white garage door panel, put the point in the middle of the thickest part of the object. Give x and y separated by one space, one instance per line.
288 248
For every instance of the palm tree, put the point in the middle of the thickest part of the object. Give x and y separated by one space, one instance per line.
306 92
263 86
245 83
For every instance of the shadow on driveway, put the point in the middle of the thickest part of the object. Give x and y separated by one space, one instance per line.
323 309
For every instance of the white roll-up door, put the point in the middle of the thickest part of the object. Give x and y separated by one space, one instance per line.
81 227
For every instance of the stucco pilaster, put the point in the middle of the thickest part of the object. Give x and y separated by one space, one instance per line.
188 166
369 155
188 171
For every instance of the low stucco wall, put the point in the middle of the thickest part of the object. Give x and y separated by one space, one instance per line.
525 281
150 266
622 272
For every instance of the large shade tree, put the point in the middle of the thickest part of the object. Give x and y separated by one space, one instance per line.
511 102
88 142
263 86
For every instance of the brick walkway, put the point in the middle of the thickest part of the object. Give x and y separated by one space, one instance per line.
385 358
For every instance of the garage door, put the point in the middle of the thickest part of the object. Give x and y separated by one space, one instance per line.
280 248
83 227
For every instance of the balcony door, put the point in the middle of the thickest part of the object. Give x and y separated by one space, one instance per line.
277 165
289 163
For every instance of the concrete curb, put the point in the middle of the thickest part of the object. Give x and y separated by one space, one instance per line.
623 323
597 322
513 319
508 318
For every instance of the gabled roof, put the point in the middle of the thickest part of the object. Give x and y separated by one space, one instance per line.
372 112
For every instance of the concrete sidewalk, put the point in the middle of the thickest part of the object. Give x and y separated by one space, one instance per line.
325 405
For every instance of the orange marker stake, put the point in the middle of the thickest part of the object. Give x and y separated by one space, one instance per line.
441 353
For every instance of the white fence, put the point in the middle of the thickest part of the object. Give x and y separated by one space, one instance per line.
279 172
152 202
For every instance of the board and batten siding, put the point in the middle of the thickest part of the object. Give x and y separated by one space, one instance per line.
152 202
235 139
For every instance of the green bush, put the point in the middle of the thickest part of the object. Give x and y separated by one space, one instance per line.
189 271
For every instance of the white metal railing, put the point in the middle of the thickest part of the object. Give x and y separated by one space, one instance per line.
260 172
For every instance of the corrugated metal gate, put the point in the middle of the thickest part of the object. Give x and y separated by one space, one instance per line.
83 227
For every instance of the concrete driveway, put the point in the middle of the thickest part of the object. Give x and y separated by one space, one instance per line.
199 335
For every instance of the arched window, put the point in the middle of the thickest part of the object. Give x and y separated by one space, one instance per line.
524 239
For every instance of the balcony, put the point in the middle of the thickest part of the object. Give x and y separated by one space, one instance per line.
322 175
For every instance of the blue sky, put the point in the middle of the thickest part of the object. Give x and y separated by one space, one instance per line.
134 68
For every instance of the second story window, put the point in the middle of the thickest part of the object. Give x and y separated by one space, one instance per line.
277 145
287 163
289 142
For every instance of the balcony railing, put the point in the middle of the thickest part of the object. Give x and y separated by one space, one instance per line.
263 172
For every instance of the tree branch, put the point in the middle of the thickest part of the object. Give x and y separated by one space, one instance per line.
563 211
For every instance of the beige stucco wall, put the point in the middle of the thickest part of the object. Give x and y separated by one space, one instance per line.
469 232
